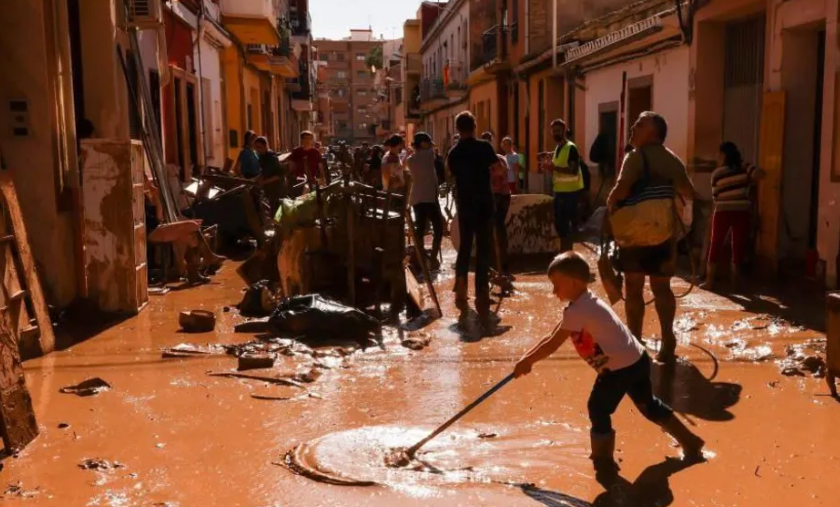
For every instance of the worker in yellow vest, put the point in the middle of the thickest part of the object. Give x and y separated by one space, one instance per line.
567 183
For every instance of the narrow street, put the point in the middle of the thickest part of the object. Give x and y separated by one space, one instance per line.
174 436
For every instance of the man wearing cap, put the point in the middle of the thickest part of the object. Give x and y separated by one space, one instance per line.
424 194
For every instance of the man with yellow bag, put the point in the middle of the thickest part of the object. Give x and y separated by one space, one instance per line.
644 224
566 181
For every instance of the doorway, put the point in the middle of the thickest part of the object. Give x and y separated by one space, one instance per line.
639 98
179 115
192 131
803 69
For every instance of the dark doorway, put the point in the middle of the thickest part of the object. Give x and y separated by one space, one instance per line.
154 88
74 27
608 127
192 122
639 100
179 115
815 163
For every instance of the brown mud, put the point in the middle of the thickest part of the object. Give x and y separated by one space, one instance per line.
188 438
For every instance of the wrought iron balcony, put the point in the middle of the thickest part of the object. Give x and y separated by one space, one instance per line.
431 90
491 51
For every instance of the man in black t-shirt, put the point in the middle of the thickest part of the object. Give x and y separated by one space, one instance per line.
470 161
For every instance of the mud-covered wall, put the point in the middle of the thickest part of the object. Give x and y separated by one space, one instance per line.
33 156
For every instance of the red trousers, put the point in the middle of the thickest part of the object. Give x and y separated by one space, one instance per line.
736 222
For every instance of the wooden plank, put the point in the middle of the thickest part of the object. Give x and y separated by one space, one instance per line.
46 340
771 156
17 417
416 290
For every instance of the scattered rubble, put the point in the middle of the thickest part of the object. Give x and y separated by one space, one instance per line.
805 358
99 464
197 321
417 342
17 490
190 350
250 361
89 387
258 300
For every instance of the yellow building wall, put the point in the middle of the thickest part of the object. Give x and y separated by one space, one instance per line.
234 111
484 105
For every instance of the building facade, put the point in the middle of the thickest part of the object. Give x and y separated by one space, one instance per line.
350 85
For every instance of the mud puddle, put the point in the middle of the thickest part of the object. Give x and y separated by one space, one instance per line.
477 456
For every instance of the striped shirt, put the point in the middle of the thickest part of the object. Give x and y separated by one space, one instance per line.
731 188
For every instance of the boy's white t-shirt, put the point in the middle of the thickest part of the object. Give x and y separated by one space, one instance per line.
599 336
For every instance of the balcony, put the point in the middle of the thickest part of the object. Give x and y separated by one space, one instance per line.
493 58
456 84
252 21
413 65
301 27
304 81
432 93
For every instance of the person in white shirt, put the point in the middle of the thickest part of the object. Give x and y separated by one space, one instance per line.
623 365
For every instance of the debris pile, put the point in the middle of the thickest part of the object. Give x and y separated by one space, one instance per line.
805 358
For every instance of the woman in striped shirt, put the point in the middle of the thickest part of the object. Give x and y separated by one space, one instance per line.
731 186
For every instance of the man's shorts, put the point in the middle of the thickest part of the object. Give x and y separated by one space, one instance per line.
657 260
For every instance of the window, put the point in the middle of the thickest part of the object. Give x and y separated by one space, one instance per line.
360 57
340 57
341 74
324 57
362 73
363 126
342 125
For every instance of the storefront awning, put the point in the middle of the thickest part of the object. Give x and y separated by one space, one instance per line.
252 30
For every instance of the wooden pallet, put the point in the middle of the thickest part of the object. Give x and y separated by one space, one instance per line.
25 325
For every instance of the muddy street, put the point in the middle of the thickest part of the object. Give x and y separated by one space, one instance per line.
168 433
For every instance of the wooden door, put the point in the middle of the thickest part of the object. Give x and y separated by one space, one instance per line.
771 153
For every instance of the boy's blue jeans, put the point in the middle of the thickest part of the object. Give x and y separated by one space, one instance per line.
610 388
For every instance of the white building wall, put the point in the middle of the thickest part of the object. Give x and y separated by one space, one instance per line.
209 71
670 73
456 28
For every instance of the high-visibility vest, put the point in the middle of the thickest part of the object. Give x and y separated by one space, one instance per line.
562 182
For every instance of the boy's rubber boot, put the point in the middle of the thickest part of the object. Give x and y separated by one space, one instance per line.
603 448
691 444
711 272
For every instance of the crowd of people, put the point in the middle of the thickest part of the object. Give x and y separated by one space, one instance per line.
483 176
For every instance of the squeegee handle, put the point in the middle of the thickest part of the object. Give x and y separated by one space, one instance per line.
412 450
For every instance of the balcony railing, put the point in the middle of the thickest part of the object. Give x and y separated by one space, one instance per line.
301 25
431 89
490 46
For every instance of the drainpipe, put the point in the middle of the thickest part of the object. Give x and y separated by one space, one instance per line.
554 36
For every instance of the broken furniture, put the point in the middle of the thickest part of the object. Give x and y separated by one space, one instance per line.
115 234
25 326
342 239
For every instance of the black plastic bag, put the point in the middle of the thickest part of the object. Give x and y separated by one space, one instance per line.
315 316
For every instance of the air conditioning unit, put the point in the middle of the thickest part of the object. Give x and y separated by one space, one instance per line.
144 13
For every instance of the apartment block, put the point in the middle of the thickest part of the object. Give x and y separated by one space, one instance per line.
349 83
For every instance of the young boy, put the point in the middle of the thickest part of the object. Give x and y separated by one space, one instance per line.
604 342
